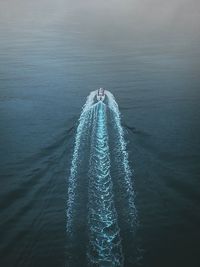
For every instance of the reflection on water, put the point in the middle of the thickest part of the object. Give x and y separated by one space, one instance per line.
52 55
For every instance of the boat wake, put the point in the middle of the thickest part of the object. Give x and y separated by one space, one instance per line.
96 152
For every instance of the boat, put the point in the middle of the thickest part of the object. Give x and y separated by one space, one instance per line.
101 94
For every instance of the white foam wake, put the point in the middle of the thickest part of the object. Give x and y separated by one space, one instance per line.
92 135
121 158
104 235
84 121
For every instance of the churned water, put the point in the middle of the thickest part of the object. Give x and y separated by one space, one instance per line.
102 227
124 172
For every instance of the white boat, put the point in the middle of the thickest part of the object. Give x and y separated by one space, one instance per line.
101 94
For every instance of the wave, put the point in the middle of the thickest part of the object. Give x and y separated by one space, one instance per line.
94 140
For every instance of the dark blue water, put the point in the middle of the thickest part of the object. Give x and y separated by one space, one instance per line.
52 54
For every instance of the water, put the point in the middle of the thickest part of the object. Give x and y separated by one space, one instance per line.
104 237
102 227
52 55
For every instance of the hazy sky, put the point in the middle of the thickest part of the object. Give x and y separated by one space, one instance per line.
106 16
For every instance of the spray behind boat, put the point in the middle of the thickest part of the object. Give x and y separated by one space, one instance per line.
99 177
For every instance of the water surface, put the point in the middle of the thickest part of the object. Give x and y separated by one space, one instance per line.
52 55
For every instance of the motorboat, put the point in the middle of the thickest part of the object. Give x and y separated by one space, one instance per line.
101 94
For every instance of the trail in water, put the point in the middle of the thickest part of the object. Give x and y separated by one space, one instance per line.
84 122
122 162
103 242
104 236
